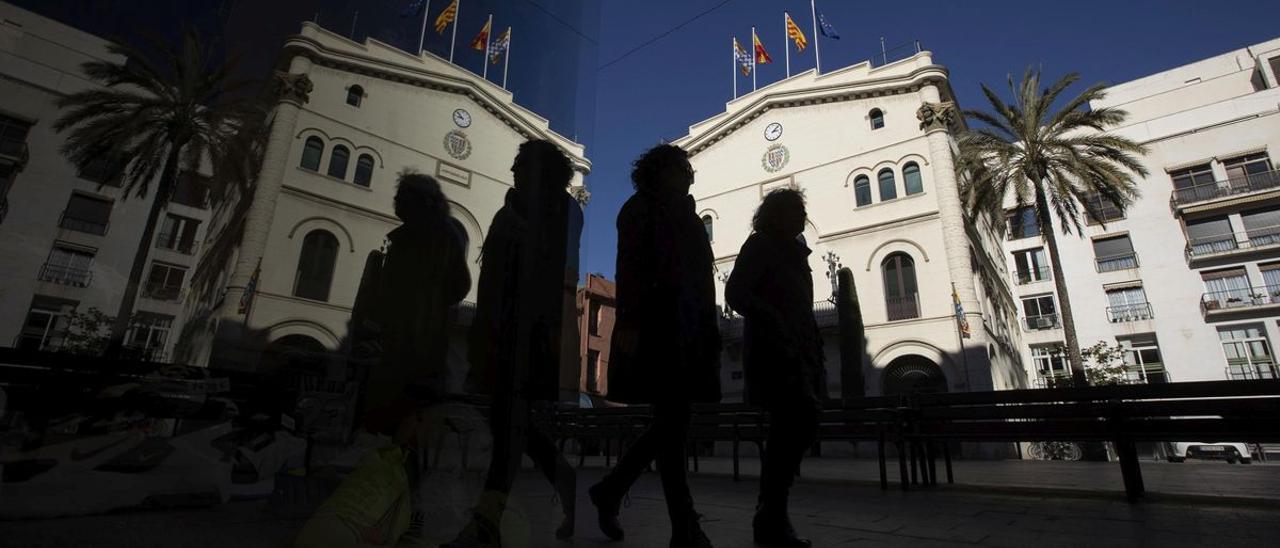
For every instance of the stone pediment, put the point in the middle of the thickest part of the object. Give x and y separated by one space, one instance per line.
383 61
851 83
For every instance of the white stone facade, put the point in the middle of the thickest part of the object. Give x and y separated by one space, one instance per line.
836 128
1199 122
56 256
417 113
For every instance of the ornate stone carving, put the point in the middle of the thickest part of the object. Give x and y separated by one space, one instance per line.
936 115
293 87
580 194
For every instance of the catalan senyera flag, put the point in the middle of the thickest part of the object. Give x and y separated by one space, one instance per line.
794 33
744 58
447 16
762 56
499 46
961 321
481 40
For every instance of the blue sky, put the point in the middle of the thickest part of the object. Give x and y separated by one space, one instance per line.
568 64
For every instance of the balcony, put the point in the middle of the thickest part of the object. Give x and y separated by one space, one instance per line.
162 292
15 151
1243 299
1120 261
1232 245
65 275
903 308
1132 312
1252 371
70 222
1233 187
1034 275
1042 322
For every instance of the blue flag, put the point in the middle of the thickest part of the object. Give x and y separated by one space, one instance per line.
827 30
414 8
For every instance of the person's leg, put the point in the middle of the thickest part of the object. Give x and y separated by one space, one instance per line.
672 420
508 424
792 429
547 457
607 494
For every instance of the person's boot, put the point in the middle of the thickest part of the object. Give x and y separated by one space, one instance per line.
607 498
772 528
688 533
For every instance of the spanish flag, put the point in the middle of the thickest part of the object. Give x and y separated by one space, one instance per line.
794 33
762 56
447 16
481 41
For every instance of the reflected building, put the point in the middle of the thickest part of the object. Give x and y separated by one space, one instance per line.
68 237
597 304
285 262
872 147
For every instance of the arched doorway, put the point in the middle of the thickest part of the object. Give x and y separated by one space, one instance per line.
912 374
294 353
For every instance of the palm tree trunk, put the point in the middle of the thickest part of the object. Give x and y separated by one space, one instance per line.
120 325
1060 284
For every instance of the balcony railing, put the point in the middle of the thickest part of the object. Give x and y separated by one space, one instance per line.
903 308
162 292
1258 238
71 222
1119 261
15 150
1033 275
1129 312
1043 322
1052 380
65 275
1233 299
1252 371
1234 186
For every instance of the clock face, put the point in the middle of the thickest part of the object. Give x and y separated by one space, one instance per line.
462 118
773 131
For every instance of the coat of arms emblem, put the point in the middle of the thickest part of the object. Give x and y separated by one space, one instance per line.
775 158
457 144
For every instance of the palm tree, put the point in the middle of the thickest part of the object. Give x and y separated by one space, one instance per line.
169 116
1055 161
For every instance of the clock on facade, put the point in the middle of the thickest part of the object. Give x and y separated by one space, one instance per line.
462 118
773 131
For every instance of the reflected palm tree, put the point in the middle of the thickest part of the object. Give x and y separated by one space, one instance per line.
157 119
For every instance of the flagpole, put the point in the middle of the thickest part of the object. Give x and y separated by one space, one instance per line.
817 40
422 36
733 58
506 61
485 73
453 42
786 51
352 36
753 58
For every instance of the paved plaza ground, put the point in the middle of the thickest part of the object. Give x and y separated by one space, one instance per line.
837 503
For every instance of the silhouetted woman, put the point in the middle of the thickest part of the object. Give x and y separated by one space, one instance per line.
521 295
666 341
772 287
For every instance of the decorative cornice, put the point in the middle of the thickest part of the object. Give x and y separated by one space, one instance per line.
822 94
322 55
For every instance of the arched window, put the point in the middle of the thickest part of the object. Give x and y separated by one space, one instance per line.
862 190
364 170
708 225
338 162
461 233
355 94
311 153
315 265
911 178
900 287
888 187
877 118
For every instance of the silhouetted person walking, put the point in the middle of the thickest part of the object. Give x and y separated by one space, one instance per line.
522 281
401 318
772 287
666 341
